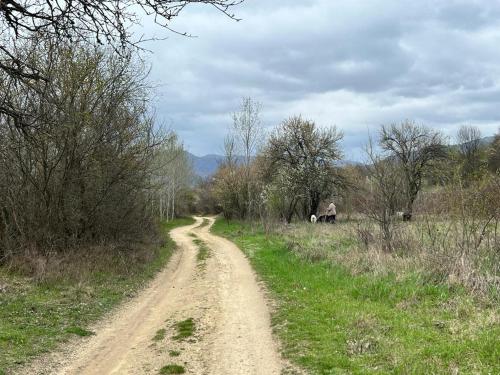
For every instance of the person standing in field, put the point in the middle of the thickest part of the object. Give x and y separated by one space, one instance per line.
331 213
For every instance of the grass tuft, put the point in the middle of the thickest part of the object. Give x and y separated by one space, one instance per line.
203 251
205 223
174 353
185 329
79 331
160 334
172 369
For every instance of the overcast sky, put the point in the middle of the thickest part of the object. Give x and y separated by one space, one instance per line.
353 64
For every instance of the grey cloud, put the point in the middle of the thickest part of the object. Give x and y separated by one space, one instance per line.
353 63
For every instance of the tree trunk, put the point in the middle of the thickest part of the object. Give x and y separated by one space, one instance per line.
315 201
173 201
407 215
290 211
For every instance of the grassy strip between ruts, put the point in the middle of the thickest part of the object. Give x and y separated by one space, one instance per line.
35 317
332 322
203 251
185 329
204 223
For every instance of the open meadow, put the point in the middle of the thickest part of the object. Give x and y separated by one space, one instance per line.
343 308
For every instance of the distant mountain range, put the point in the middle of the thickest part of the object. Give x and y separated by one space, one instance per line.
487 140
207 165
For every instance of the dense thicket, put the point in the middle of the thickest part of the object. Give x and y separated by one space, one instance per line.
81 161
82 171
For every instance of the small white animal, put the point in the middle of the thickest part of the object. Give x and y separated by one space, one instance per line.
313 219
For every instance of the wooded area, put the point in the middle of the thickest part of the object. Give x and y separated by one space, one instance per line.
82 160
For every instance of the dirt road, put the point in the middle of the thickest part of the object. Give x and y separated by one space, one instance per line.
232 333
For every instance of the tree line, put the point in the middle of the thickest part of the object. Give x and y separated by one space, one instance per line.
82 160
296 169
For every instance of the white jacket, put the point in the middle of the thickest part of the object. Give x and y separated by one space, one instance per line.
332 210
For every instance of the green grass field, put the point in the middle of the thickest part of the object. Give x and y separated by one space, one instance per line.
333 322
35 317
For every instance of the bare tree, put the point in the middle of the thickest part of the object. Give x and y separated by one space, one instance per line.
381 195
229 190
415 147
494 154
247 127
89 21
81 172
230 157
93 18
469 140
248 132
172 175
469 147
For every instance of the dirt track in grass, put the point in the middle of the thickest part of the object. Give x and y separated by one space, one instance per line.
232 333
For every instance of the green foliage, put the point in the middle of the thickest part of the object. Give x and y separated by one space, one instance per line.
177 222
185 329
172 369
79 331
160 334
174 353
331 321
203 251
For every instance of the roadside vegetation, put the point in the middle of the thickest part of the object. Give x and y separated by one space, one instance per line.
204 223
174 353
172 369
341 309
408 278
36 316
407 281
203 252
160 335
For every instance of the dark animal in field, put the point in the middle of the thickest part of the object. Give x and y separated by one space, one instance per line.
326 219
